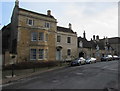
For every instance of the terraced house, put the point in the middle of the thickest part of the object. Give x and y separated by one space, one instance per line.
66 43
33 36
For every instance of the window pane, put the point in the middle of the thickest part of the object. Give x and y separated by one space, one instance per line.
46 53
58 38
69 52
33 54
68 39
47 24
41 53
34 36
41 36
46 37
30 21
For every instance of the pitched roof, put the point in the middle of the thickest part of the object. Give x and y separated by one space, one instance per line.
6 27
86 43
63 29
90 44
114 40
37 13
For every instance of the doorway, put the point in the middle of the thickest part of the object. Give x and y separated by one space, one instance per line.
81 54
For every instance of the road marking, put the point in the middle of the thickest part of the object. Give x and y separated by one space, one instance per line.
107 67
55 80
79 73
113 69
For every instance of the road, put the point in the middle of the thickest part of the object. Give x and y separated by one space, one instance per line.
100 75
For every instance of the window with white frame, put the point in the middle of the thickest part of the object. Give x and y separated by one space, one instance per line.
30 22
58 38
69 52
41 53
46 53
41 36
33 54
46 37
34 36
47 25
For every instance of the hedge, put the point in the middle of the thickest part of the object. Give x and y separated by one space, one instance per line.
29 65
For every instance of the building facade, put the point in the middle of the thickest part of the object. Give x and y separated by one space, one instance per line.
66 46
98 47
32 35
93 48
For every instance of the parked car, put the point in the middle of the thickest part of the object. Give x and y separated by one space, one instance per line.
82 60
110 57
91 60
107 58
115 57
78 61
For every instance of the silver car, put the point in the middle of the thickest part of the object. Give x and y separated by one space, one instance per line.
91 60
82 60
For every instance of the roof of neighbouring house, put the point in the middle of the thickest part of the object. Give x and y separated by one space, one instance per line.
37 13
63 29
114 40
6 27
90 44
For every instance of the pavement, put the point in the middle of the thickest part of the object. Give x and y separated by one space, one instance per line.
100 75
10 79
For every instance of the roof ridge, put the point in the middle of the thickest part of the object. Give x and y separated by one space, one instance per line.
36 13
64 29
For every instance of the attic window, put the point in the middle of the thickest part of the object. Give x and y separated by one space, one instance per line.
30 22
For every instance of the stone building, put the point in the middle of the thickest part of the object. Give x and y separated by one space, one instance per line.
30 35
98 47
114 42
66 47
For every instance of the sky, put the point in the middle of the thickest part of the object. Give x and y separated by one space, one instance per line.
95 18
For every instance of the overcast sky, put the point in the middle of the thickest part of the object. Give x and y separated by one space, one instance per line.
96 18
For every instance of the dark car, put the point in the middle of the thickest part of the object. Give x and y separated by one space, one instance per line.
103 58
78 61
107 58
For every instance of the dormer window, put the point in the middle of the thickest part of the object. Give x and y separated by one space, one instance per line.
80 44
30 22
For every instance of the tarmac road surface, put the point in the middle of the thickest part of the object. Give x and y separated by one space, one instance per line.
100 75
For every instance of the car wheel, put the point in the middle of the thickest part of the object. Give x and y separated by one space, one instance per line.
90 62
79 63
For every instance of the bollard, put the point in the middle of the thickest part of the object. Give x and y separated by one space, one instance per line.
13 69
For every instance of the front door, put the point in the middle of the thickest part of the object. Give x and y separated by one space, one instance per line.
58 54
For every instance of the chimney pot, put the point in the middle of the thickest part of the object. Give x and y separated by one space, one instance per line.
16 3
49 12
70 26
93 37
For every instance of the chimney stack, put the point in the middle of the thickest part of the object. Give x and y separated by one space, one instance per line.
93 37
70 26
17 3
49 12
84 35
97 38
